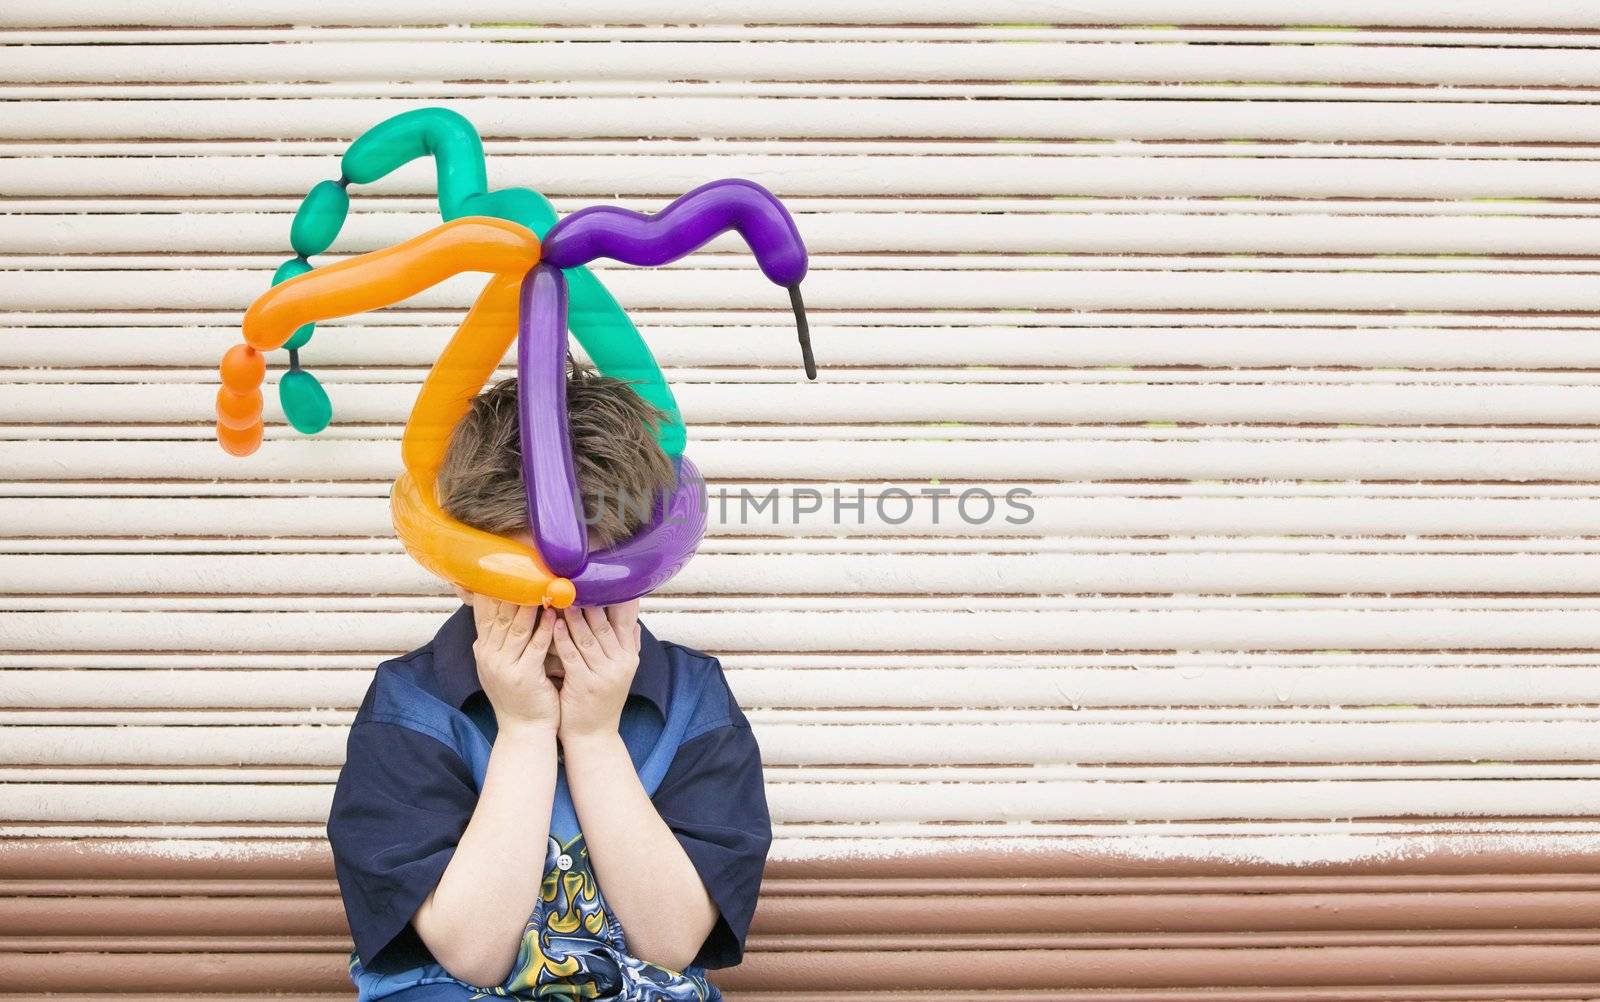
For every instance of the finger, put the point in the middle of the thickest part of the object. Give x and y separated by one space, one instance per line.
486 617
490 632
521 627
567 651
580 634
504 612
481 613
624 617
500 621
539 641
600 627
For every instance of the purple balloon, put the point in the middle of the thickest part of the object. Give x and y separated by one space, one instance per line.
681 228
656 552
548 474
555 509
686 225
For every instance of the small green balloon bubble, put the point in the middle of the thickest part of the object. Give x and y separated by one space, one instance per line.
305 402
298 339
287 270
319 219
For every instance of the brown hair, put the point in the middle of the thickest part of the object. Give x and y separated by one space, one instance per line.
621 468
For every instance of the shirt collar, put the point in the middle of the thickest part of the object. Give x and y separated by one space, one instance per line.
457 672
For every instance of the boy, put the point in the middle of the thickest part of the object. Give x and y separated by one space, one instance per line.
453 879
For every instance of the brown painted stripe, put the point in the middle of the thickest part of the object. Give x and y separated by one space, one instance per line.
1169 941
266 943
1178 883
177 912
249 888
966 970
866 970
170 915
176 944
1065 857
1542 993
154 972
1469 993
970 907
99 916
780 887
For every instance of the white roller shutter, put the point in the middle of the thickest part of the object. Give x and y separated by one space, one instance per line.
1289 327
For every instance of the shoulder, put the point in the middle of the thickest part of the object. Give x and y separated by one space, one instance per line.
403 742
701 673
441 670
414 670
404 708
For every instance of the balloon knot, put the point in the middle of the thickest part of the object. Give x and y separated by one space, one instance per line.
560 592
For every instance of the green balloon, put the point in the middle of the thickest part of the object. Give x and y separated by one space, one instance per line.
520 205
601 325
443 134
305 402
287 270
597 320
291 268
320 217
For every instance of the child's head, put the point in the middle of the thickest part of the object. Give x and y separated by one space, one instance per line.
620 466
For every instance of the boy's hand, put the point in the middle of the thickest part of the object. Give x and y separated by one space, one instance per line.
599 652
510 653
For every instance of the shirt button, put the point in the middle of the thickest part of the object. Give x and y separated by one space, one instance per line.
563 862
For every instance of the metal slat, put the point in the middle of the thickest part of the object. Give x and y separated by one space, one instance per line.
1436 13
1290 332
982 57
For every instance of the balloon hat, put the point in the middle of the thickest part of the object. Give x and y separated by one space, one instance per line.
538 288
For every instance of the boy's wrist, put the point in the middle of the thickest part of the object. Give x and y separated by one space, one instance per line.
519 730
591 743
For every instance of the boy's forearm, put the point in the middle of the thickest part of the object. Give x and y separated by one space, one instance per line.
647 878
474 920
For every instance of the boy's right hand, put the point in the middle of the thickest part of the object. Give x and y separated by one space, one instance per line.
510 653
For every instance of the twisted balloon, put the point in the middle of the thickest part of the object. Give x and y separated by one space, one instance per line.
598 321
689 223
537 289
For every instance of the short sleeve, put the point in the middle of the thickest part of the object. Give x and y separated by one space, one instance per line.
715 802
402 801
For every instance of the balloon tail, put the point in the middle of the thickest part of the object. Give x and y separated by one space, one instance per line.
804 330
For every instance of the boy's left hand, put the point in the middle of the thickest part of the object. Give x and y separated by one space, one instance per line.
599 652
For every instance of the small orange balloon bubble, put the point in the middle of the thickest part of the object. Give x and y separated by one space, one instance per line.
239 441
560 593
243 368
238 410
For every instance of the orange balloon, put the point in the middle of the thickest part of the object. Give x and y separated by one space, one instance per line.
478 561
466 364
385 277
238 410
243 368
239 441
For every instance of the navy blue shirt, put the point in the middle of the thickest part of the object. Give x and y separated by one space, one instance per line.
404 799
